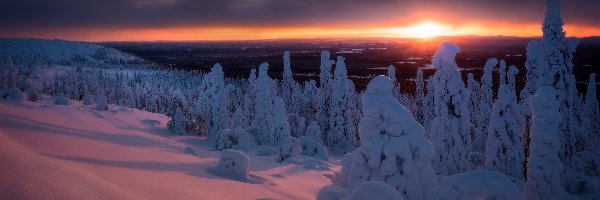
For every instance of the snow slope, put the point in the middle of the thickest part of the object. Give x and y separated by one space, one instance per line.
60 51
75 152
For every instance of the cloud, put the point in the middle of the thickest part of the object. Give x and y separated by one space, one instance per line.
74 14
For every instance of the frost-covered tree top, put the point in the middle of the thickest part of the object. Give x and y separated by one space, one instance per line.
444 57
553 25
391 71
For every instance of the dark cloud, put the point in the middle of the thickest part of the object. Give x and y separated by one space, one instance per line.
57 14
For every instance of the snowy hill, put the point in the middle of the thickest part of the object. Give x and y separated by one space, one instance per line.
61 52
75 152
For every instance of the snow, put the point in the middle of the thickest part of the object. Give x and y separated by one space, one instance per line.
477 184
375 190
125 153
233 165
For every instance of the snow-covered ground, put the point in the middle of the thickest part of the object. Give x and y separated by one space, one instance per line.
76 152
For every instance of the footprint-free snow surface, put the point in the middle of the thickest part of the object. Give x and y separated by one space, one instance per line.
75 152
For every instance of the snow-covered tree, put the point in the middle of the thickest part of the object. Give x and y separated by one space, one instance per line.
473 106
557 54
213 101
592 112
535 69
261 127
325 90
503 147
101 103
288 149
177 123
250 96
543 164
484 107
341 136
289 87
279 124
450 127
393 147
310 100
429 108
236 138
391 73
313 131
420 100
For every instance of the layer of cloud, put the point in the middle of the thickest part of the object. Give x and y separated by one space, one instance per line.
71 14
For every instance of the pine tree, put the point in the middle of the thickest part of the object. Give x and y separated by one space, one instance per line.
484 108
420 100
213 101
325 90
503 149
450 127
341 136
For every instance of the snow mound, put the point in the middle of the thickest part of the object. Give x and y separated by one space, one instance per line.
477 184
380 84
190 150
375 190
233 165
313 148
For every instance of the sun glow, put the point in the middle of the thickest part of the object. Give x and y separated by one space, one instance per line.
428 30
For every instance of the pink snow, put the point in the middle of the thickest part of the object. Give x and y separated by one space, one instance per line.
75 152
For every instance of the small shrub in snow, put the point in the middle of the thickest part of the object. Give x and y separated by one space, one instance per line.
289 148
477 184
375 190
177 123
237 138
233 165
60 100
11 94
265 150
312 148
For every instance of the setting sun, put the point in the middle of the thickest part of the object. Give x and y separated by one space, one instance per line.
428 29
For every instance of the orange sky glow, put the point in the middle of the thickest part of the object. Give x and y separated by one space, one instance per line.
421 29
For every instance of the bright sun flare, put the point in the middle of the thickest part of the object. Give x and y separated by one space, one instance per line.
428 29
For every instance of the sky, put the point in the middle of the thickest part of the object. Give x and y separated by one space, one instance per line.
149 20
